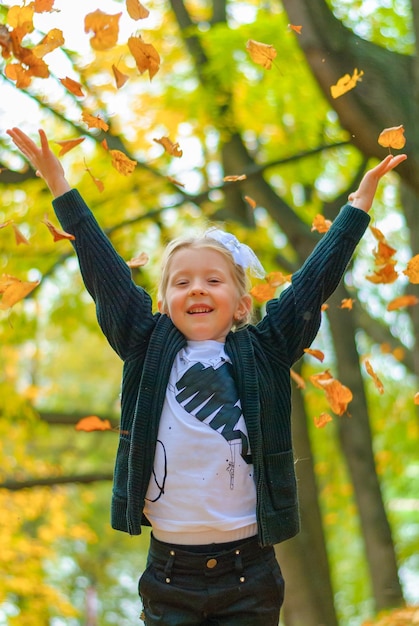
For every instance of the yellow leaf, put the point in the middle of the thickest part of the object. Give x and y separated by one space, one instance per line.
19 237
14 290
122 163
416 398
321 224
318 354
392 137
145 55
170 147
52 40
105 28
73 86
261 53
138 261
337 395
412 270
346 83
93 422
347 303
56 233
68 145
136 10
94 121
322 420
120 78
374 376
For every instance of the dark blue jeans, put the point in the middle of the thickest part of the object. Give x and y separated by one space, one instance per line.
236 584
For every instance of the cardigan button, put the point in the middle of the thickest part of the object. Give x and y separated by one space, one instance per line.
211 563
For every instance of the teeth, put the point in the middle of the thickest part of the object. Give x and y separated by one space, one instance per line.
200 310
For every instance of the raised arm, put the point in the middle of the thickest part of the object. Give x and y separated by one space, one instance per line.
42 159
363 197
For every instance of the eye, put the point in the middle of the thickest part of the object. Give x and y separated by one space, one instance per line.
214 281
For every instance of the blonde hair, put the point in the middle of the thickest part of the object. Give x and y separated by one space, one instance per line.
197 242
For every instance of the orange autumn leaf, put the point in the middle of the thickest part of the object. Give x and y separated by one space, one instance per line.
52 40
384 275
234 178
23 75
68 144
94 121
296 29
13 290
123 164
73 86
383 253
398 354
174 181
401 302
92 423
5 224
322 420
346 83
416 398
19 237
169 146
377 233
412 270
392 137
320 224
347 303
105 29
276 279
377 381
298 379
318 354
384 272
56 233
252 203
136 10
337 395
43 6
261 53
99 184
120 78
138 261
324 307
20 19
146 56
263 292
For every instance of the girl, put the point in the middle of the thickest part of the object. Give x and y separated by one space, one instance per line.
205 455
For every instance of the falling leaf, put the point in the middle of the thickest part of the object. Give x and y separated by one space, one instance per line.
136 10
266 291
252 203
5 224
377 381
298 379
120 78
392 137
105 28
346 83
14 290
384 272
412 270
56 233
122 163
324 307
296 29
138 261
416 398
21 20
320 224
171 148
347 303
234 178
94 121
73 86
385 275
92 423
318 354
52 40
261 53
19 237
401 302
398 354
322 420
43 6
145 55
99 184
68 145
337 395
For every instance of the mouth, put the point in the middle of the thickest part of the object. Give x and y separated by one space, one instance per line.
199 310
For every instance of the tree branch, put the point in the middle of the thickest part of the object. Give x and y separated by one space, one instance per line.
52 481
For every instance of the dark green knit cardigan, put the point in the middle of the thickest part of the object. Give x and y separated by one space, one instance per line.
261 354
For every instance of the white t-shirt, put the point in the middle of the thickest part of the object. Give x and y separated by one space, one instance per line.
202 488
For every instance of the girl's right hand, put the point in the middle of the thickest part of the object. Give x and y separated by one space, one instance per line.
42 159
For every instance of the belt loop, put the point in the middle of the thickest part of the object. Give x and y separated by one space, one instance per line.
169 566
238 565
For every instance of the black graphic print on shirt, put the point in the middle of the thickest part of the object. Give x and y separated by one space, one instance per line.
204 392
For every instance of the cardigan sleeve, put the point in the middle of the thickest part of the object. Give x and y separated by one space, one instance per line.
296 314
124 310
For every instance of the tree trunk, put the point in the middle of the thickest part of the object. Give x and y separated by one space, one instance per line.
356 442
309 597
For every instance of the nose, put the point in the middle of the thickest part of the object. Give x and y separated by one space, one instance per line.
197 288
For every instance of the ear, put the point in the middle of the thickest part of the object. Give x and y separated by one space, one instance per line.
244 306
160 306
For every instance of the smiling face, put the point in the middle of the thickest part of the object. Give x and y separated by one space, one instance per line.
202 298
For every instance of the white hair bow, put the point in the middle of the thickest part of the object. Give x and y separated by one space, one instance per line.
242 254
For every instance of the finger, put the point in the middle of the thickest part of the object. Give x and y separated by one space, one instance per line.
44 140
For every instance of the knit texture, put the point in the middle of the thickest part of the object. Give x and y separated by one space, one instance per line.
261 355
